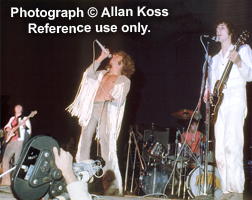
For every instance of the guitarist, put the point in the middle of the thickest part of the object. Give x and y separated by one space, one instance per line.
233 109
15 144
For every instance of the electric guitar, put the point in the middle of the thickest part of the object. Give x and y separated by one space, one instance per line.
217 95
11 133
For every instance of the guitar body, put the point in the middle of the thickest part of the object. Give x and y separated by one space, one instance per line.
11 133
217 98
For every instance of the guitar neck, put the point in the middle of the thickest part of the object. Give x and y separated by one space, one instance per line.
227 70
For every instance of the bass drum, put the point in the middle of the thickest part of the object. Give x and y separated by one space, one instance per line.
154 179
213 183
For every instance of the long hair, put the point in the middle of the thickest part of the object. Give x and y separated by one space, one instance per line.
128 64
231 30
19 105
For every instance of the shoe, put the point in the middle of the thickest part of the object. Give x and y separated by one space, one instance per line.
111 192
231 196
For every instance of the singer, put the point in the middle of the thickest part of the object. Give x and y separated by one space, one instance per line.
99 105
229 137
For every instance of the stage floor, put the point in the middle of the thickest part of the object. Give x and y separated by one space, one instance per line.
6 194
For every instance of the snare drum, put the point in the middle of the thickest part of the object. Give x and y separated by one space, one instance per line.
213 182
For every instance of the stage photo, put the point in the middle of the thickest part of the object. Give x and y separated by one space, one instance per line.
129 99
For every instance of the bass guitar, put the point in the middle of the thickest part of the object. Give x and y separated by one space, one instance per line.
11 133
217 95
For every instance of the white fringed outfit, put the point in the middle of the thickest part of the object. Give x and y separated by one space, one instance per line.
228 128
107 115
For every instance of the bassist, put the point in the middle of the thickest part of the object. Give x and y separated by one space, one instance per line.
15 144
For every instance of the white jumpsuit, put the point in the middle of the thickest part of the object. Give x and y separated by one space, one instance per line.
229 137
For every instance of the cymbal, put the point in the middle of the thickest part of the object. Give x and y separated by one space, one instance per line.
153 127
183 114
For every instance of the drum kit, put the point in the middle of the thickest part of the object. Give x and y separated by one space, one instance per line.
176 171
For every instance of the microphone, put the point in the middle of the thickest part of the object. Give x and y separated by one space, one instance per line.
103 49
215 38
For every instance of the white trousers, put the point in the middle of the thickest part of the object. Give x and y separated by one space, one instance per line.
99 115
229 139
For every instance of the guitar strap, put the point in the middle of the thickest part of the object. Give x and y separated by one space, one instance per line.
14 123
18 128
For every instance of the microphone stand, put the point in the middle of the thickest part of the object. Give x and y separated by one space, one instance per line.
205 195
175 157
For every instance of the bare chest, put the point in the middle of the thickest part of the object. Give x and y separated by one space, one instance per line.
108 81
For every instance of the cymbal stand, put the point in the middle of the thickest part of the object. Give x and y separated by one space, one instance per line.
127 164
180 177
133 172
175 158
184 188
154 178
181 167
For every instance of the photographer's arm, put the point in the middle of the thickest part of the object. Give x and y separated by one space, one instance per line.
77 190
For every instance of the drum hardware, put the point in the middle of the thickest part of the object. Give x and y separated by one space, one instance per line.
154 149
155 178
178 159
181 151
133 172
180 162
127 164
181 169
175 157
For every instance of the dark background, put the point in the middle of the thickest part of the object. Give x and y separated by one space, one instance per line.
43 71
